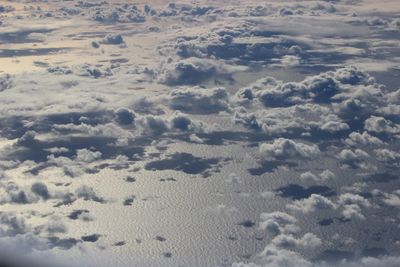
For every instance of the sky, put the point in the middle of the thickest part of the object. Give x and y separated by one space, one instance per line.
200 133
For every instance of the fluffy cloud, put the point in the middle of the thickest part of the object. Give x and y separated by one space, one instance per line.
319 89
87 156
388 156
113 39
308 241
354 158
380 125
5 82
126 13
192 71
323 176
283 148
314 203
392 199
124 116
198 100
362 139
278 222
352 205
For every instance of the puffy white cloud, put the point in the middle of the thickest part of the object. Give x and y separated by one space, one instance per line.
327 175
320 88
153 124
308 241
198 100
88 156
278 222
362 139
388 156
283 148
128 13
314 203
354 158
323 176
392 199
352 205
334 126
192 71
381 125
273 257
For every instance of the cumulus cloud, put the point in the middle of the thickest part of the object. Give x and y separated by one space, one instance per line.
319 88
153 124
192 71
278 222
314 203
124 116
110 14
198 100
323 176
381 125
5 82
87 156
392 199
283 148
388 156
362 139
41 190
113 39
308 241
354 158
352 205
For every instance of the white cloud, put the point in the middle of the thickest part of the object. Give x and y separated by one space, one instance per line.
312 204
381 125
362 139
5 82
198 100
283 148
192 71
88 156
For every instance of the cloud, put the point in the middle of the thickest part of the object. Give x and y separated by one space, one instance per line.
5 82
153 124
392 199
312 204
381 125
278 222
323 176
352 205
129 13
87 156
124 116
308 241
354 158
199 100
387 156
193 71
41 190
113 39
186 163
362 139
283 148
87 193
